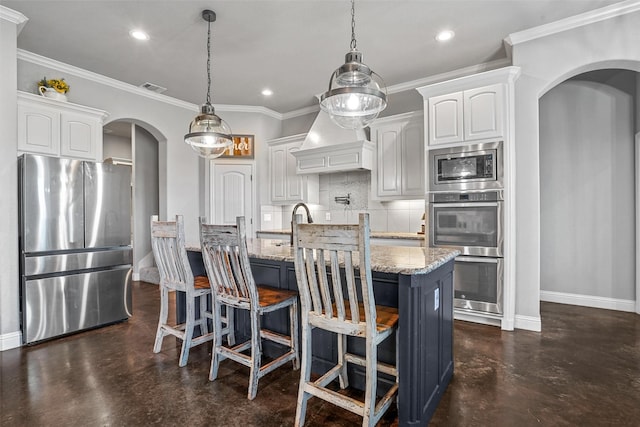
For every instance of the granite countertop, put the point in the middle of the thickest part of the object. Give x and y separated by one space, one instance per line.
374 234
384 259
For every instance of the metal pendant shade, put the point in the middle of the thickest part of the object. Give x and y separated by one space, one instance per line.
209 136
356 94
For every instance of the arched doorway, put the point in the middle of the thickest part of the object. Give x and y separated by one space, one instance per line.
587 190
129 141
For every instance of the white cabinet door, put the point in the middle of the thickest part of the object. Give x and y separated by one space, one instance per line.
389 165
81 137
232 194
484 112
446 119
287 187
38 129
413 154
400 171
278 168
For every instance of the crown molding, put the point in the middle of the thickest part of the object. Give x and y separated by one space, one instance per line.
453 74
117 84
301 112
13 16
572 22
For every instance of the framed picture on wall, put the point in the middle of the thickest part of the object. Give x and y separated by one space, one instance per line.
242 148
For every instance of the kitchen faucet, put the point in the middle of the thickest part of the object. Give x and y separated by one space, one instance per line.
293 214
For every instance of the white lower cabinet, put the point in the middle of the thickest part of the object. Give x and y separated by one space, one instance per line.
399 171
286 186
58 128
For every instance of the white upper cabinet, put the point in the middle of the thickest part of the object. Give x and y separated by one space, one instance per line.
445 118
467 115
399 171
286 186
57 128
484 112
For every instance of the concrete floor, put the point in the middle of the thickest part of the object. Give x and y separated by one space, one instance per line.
582 370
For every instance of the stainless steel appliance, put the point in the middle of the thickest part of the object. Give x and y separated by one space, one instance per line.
468 167
75 245
471 222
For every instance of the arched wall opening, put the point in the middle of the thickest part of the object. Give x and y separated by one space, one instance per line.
147 157
545 61
587 190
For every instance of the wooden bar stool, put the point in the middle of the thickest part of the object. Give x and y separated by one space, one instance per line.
167 242
324 305
224 250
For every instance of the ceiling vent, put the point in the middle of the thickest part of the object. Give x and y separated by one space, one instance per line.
153 87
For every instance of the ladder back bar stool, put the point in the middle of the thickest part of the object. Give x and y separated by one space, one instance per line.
224 250
328 303
170 254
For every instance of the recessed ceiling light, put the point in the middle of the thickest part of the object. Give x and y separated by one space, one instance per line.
267 92
445 35
139 35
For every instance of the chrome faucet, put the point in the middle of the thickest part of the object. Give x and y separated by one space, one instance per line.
293 214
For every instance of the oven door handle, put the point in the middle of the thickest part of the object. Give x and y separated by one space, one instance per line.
467 205
485 260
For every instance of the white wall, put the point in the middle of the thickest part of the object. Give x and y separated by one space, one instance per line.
116 146
145 197
587 191
9 283
546 61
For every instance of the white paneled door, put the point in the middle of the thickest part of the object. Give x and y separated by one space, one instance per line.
232 194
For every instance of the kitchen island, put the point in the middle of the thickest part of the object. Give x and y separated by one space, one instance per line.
417 280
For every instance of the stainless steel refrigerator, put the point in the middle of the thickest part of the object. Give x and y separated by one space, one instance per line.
75 245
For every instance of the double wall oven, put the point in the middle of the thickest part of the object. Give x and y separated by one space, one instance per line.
465 211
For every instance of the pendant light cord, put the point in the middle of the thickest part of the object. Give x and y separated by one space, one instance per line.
353 25
209 63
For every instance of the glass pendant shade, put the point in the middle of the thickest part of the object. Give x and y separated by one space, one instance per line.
209 136
356 94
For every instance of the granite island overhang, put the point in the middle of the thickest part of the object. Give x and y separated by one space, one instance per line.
417 280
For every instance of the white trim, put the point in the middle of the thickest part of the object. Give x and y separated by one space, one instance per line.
588 301
528 323
449 75
33 58
301 112
13 16
135 277
10 340
637 214
572 22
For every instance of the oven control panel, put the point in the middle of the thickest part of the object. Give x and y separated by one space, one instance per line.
483 196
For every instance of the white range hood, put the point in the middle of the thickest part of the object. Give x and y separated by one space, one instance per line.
329 148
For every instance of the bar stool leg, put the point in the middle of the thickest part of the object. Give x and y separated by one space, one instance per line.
164 313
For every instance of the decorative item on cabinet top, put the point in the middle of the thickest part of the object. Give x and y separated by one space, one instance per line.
53 88
242 148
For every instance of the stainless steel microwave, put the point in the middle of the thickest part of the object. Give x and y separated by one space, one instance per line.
468 167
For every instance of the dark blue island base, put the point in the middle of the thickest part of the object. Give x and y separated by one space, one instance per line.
425 345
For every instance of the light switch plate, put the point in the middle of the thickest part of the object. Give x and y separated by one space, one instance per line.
267 217
327 216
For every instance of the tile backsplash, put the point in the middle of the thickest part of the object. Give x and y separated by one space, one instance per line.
396 216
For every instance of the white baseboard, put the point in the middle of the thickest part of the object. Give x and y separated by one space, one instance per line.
589 301
529 323
135 277
10 340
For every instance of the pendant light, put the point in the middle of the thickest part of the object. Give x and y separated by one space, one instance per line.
209 135
354 98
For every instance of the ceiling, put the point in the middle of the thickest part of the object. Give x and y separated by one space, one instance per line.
289 46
